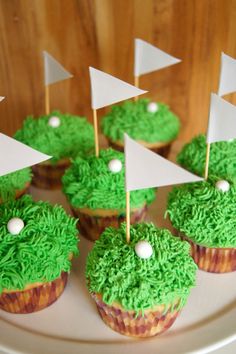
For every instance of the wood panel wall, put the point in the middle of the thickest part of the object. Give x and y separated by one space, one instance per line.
100 33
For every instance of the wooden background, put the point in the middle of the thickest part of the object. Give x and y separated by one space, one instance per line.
100 33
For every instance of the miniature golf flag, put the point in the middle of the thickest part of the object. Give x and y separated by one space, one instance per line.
146 169
107 89
222 120
15 155
227 83
53 71
1 98
149 58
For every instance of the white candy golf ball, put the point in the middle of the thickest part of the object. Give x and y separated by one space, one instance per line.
223 185
15 225
54 122
143 249
152 107
115 166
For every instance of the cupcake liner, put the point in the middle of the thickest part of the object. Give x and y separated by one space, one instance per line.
48 176
34 299
214 260
153 322
161 150
91 226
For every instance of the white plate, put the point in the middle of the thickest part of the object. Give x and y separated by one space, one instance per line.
72 325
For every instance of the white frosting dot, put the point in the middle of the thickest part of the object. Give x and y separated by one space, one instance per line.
223 185
54 121
115 166
15 225
152 107
230 140
143 249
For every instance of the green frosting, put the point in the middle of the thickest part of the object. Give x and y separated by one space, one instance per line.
72 137
114 270
222 157
204 213
41 250
89 183
13 182
134 119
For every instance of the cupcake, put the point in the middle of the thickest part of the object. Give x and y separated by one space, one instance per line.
151 124
204 214
62 136
95 189
139 288
37 243
15 184
222 161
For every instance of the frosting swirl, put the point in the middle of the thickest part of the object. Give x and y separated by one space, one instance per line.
89 183
40 252
204 213
222 161
73 136
114 270
134 119
13 182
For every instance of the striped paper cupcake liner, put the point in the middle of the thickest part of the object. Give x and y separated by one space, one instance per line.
161 150
48 176
214 260
152 323
34 299
91 227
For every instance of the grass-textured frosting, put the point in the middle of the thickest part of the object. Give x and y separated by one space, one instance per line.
114 270
40 252
134 119
74 136
13 182
88 183
222 157
204 213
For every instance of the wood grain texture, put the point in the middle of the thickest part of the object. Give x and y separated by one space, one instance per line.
100 33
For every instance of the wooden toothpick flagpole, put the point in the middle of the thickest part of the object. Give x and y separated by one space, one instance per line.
95 123
47 99
127 216
207 160
136 83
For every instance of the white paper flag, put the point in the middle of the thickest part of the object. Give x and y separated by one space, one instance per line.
149 58
145 169
107 89
227 83
1 98
222 120
53 71
15 155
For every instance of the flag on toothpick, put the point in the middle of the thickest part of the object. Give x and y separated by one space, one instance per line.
107 89
53 71
146 169
222 120
149 58
1 98
227 82
15 155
